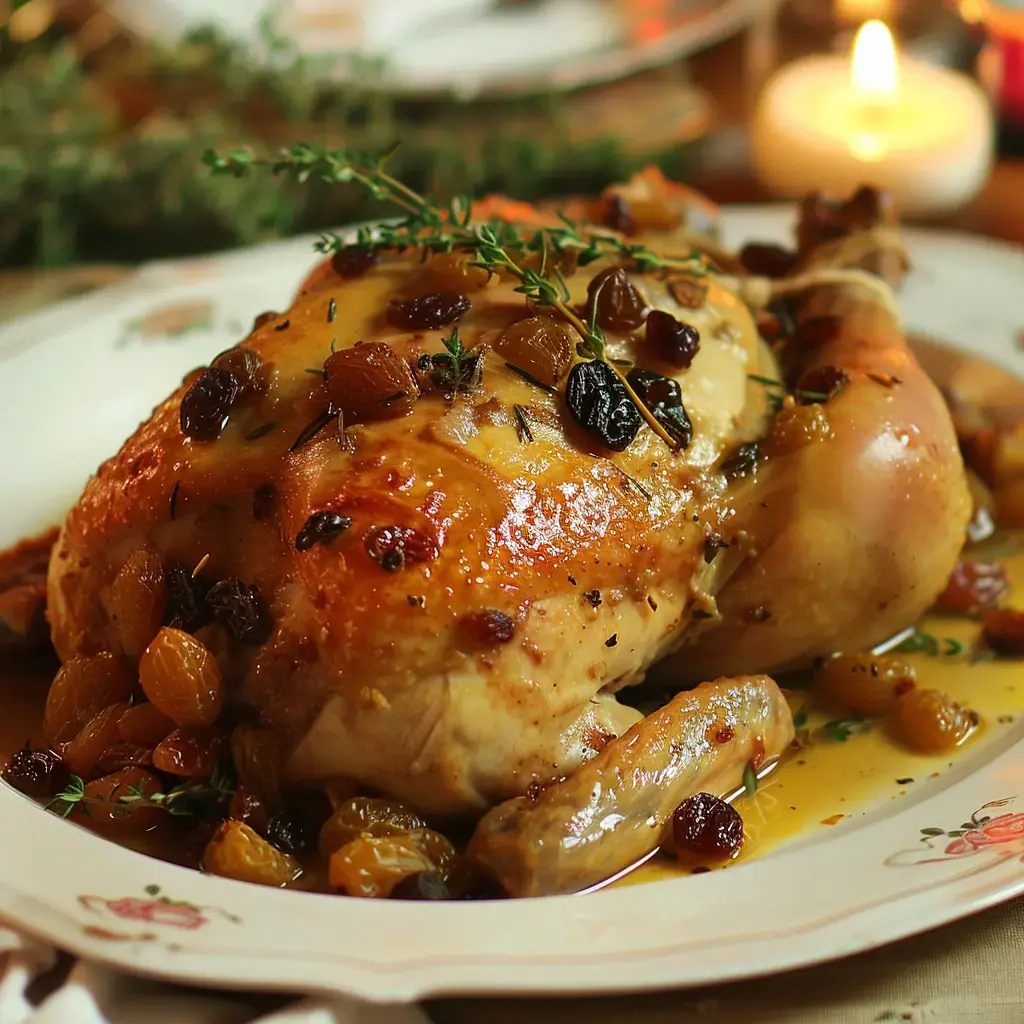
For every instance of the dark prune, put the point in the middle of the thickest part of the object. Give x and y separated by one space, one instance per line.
743 461
186 599
600 403
427 885
321 528
394 546
618 216
620 307
689 292
675 342
246 367
489 626
767 260
428 312
297 829
207 404
36 773
241 610
820 384
707 826
353 261
663 397
248 807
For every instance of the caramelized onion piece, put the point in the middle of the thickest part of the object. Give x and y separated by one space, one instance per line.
370 382
538 345
182 678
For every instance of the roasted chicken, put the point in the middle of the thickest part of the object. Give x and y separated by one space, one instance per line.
423 573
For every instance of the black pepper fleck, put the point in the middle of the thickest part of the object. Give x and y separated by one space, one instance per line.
594 597
612 640
283 325
903 782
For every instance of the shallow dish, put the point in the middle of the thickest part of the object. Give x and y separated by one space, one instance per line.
75 380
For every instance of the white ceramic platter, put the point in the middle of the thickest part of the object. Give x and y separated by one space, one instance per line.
75 380
465 47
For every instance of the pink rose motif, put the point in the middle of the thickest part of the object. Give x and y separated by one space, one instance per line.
158 912
1007 828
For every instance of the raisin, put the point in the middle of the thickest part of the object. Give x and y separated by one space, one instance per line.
489 626
688 292
246 367
675 342
743 461
370 381
973 587
394 546
241 610
297 829
321 528
36 773
620 307
931 722
821 384
353 261
663 397
427 885
207 404
191 751
1003 632
600 404
707 826
618 216
249 808
767 260
428 312
186 601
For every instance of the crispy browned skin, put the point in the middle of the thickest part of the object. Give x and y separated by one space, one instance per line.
614 809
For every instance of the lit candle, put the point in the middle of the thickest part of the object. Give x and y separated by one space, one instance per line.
922 133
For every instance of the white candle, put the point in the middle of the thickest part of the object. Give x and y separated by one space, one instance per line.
922 133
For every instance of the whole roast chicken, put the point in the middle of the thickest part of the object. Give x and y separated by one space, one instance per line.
428 544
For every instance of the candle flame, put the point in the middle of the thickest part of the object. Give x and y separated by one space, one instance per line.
873 66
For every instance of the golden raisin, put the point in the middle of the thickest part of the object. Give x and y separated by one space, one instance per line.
236 851
144 725
191 751
118 804
931 722
370 382
97 736
137 600
366 816
539 345
451 272
182 678
81 690
795 427
866 684
257 758
374 865
973 587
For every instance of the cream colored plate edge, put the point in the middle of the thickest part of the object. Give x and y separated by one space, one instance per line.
74 380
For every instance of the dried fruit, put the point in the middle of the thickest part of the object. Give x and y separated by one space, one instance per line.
297 829
489 626
247 368
186 600
181 677
256 754
369 816
144 725
353 261
620 307
395 546
36 773
689 292
97 736
664 398
674 341
795 427
617 214
110 813
743 461
370 381
236 851
540 346
1003 632
767 260
452 272
428 312
931 721
207 405
428 885
321 528
191 751
249 808
705 825
866 684
373 865
240 610
821 384
600 404
138 600
973 587
81 690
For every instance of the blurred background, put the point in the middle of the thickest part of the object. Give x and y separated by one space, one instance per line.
106 107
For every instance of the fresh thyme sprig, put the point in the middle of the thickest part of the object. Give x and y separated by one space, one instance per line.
776 391
431 228
187 799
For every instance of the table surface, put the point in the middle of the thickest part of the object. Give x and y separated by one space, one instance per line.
961 974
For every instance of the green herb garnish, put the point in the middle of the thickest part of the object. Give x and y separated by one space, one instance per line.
749 779
839 730
924 643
